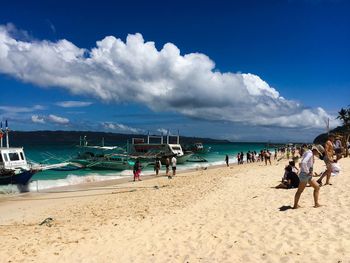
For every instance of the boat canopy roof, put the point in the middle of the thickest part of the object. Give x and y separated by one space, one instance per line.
106 148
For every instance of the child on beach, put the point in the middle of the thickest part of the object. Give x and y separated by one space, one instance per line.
226 160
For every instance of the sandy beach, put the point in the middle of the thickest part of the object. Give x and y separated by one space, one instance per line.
223 214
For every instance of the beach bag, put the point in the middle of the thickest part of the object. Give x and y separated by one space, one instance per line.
335 169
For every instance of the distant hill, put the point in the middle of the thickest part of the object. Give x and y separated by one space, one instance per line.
322 138
19 138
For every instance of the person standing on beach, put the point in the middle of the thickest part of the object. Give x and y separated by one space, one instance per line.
173 165
227 160
338 148
328 159
305 176
267 157
275 157
137 170
157 166
167 164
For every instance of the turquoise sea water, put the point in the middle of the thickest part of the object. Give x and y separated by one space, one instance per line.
62 153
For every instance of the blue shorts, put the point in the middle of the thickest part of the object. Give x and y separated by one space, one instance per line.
304 177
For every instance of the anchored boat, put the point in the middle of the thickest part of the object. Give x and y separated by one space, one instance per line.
14 168
102 157
160 150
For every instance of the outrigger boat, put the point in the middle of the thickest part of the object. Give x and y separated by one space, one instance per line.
102 157
14 167
197 148
162 150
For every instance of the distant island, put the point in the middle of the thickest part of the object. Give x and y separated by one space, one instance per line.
19 138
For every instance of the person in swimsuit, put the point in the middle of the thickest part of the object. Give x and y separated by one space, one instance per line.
328 159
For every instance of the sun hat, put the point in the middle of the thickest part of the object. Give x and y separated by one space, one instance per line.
318 149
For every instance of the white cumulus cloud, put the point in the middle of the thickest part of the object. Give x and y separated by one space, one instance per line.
120 127
15 109
135 71
38 119
51 118
57 119
73 104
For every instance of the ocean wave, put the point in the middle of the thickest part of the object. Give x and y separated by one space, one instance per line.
71 179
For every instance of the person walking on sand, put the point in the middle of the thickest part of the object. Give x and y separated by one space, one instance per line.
328 159
173 165
305 176
226 160
137 170
167 165
157 166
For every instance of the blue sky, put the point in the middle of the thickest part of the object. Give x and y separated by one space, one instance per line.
239 70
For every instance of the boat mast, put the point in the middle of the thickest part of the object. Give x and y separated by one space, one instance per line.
1 134
7 135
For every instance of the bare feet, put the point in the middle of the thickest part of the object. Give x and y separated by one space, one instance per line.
317 205
296 207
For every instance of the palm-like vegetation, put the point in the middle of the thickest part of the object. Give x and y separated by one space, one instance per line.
344 116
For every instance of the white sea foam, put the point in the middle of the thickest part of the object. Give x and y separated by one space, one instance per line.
71 179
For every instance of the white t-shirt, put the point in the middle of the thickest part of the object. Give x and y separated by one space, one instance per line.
173 162
307 161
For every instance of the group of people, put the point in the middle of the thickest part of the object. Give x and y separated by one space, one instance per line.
252 157
295 178
157 167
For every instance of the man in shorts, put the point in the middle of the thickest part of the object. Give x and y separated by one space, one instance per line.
305 176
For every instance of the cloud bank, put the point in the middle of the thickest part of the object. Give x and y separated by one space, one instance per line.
164 80
50 118
120 127
73 104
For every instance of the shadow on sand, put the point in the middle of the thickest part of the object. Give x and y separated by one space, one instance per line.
285 208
